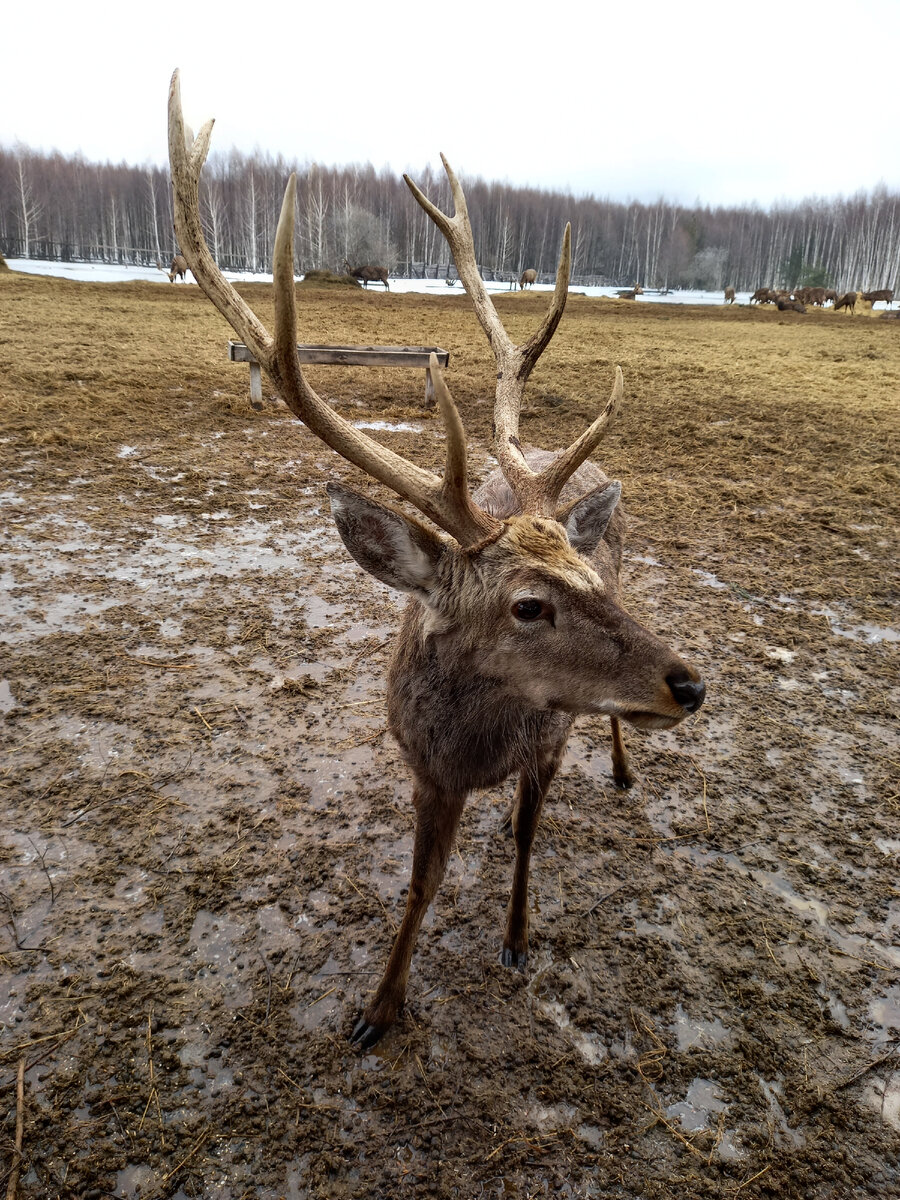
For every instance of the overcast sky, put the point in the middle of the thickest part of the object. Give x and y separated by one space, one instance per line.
723 102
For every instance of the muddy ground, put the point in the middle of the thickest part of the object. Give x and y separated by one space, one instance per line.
206 830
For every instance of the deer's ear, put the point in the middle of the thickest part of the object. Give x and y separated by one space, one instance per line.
395 549
586 520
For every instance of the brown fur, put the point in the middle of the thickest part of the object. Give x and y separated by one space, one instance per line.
179 267
848 300
886 294
474 697
369 274
729 295
527 278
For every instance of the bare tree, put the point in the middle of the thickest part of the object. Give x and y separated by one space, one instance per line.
67 208
30 210
317 206
212 197
364 237
154 215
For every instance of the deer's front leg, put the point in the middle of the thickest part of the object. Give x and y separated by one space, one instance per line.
437 816
621 767
526 812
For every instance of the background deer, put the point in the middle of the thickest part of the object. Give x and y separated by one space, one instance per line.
368 274
729 295
178 267
528 278
848 300
514 624
885 294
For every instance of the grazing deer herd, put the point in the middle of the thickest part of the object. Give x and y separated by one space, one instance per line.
798 299
514 623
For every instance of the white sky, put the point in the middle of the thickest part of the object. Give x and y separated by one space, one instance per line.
722 102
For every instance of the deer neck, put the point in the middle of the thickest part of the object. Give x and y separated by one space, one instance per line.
454 724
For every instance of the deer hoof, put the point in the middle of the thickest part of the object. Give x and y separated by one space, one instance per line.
367 1034
624 780
514 958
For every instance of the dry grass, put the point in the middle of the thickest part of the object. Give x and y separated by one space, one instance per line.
776 433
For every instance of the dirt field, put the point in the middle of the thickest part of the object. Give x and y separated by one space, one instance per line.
206 831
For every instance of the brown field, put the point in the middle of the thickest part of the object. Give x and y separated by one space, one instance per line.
206 831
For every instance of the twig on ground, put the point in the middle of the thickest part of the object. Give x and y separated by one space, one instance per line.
12 1186
876 1062
740 1187
203 719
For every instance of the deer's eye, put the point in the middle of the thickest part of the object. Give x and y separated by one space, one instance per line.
529 610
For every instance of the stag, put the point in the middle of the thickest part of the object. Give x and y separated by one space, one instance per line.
528 278
178 267
368 274
514 624
885 294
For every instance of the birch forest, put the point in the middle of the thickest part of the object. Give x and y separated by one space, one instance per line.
64 208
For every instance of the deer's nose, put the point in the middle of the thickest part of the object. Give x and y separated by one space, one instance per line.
689 693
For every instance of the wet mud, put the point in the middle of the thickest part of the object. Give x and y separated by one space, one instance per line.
206 830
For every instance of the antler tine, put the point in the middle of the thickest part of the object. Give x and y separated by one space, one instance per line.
537 492
186 158
458 232
534 347
514 363
519 360
456 481
523 481
550 482
446 500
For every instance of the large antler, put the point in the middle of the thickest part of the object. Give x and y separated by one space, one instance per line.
537 492
446 501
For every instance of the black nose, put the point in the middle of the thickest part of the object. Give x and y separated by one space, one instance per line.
689 693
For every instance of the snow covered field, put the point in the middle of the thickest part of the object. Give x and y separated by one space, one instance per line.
114 273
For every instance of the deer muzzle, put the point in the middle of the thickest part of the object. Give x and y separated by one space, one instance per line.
689 693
